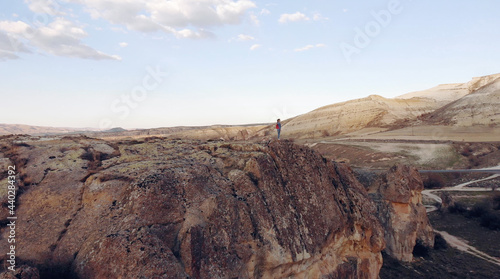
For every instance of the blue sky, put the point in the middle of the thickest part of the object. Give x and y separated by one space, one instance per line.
158 63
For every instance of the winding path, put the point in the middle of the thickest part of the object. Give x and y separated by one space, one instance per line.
459 187
452 240
460 244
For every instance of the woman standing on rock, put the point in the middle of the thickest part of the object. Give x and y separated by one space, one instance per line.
278 128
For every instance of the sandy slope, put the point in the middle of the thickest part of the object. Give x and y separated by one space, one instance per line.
447 93
6 129
477 108
443 94
476 133
372 111
461 104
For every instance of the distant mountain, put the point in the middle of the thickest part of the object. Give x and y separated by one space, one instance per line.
372 111
481 107
472 103
442 94
447 93
461 104
7 129
115 130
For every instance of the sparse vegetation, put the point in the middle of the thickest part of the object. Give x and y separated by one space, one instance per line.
468 229
87 155
479 209
490 220
457 208
466 151
496 201
443 263
365 177
482 211
434 181
474 161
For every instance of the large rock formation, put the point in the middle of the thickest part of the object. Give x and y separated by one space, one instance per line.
397 194
185 209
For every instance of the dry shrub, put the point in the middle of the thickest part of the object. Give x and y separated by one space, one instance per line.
490 220
496 201
457 208
434 181
480 209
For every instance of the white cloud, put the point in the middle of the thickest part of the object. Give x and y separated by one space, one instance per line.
7 55
298 16
9 46
58 35
265 11
254 47
309 47
243 37
10 43
255 20
50 7
318 17
188 33
178 17
118 30
16 27
61 37
204 13
123 44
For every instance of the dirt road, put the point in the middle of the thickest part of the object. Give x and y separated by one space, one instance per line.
452 240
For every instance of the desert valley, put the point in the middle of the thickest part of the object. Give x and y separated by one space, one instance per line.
405 187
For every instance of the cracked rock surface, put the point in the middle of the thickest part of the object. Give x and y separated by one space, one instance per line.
157 208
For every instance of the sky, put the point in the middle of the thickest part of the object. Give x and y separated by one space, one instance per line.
162 63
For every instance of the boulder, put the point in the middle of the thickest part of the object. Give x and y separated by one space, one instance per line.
397 194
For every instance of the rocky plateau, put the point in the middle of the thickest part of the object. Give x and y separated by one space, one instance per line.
158 208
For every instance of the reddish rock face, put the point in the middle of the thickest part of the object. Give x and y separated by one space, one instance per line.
186 209
21 272
397 194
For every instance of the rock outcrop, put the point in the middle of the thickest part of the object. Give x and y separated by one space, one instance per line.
160 208
397 194
21 272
